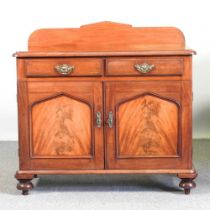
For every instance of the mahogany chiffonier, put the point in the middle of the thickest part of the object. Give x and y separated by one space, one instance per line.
105 98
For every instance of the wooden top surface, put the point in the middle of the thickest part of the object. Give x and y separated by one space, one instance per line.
99 54
105 38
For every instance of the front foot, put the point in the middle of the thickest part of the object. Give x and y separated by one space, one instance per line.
187 182
25 185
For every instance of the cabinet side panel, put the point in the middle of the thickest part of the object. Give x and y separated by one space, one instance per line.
23 123
187 124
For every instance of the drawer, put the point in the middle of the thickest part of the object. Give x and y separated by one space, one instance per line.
64 67
144 66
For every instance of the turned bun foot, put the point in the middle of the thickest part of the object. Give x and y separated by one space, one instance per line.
187 184
25 185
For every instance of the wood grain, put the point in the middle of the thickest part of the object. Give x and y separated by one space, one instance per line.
46 67
85 93
28 173
162 66
168 95
43 54
61 127
147 126
107 36
152 114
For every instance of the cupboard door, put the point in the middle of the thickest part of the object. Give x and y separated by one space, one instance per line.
63 130
146 125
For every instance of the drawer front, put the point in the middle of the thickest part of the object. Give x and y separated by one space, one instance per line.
144 66
63 67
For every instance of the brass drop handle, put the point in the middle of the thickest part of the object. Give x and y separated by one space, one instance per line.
110 120
144 67
64 69
98 119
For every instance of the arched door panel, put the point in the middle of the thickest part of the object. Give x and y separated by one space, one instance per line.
146 131
63 128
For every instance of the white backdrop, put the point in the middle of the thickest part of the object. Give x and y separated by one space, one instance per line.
19 18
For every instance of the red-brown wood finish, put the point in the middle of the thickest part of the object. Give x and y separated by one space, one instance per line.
46 67
61 127
65 125
147 127
107 36
152 136
162 66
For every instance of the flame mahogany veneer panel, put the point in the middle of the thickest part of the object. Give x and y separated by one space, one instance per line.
147 126
61 127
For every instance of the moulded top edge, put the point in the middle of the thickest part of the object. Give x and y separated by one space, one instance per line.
98 54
